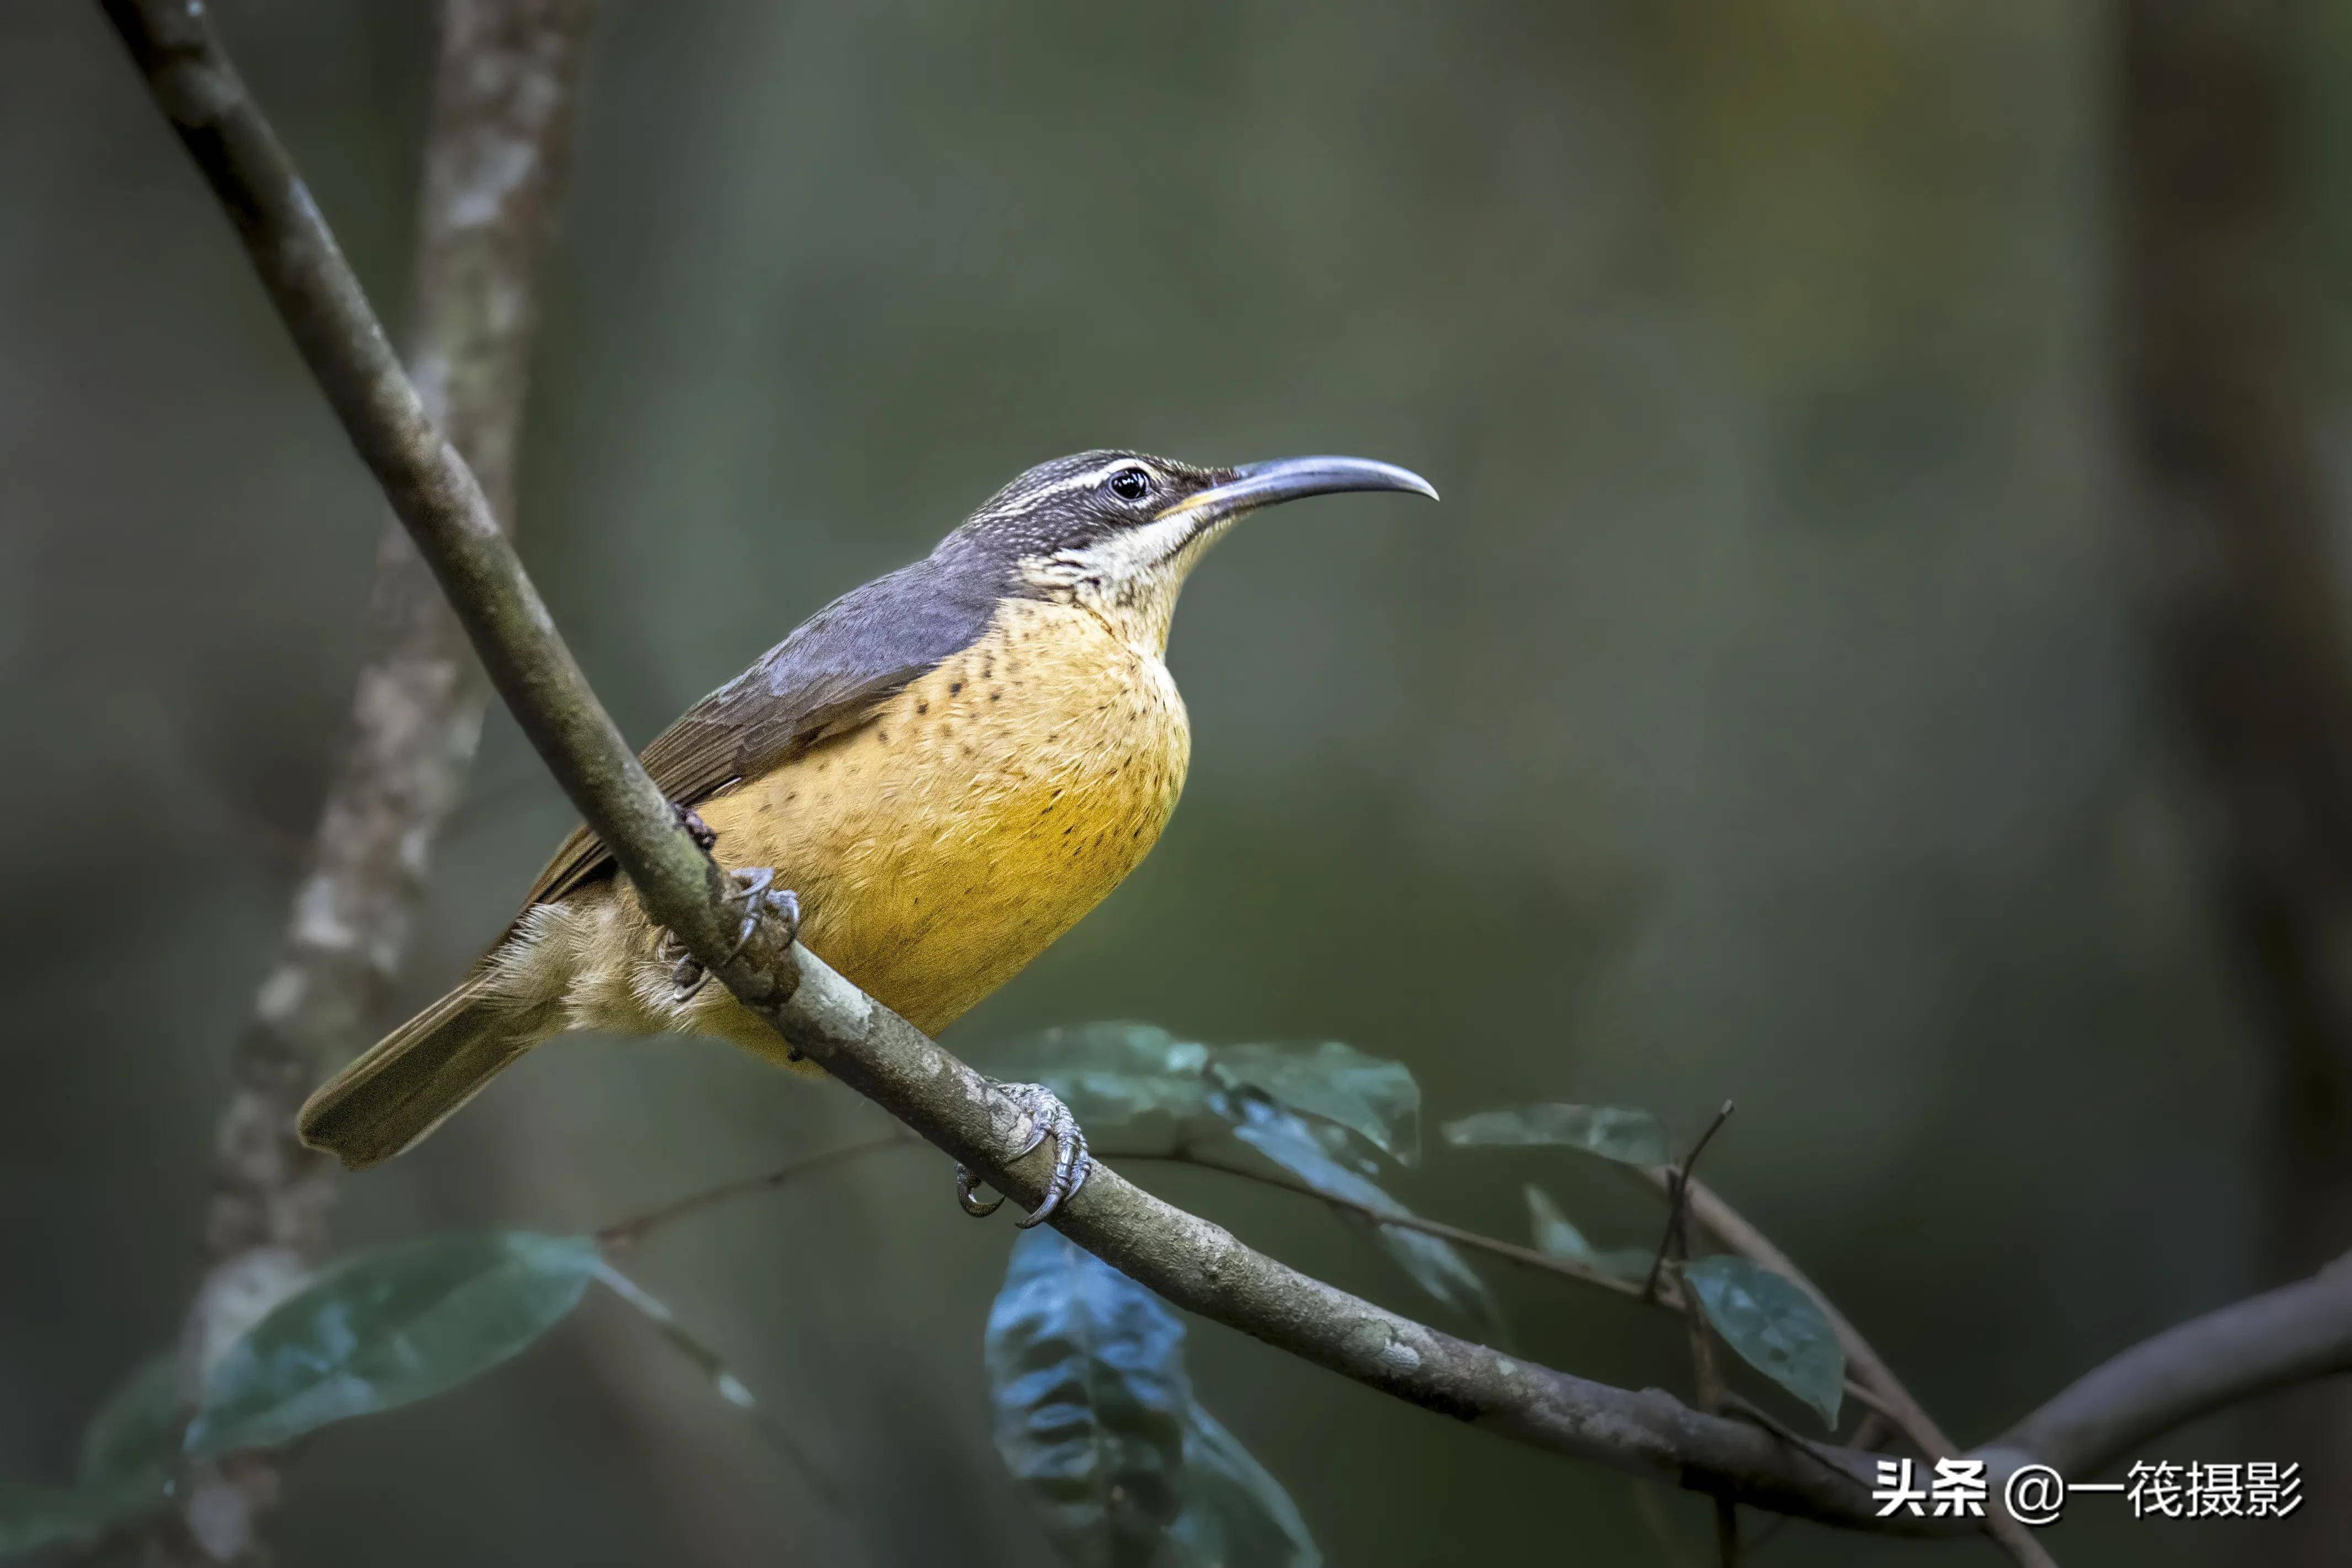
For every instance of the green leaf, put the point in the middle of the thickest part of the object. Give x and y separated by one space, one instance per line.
1613 1132
387 1328
130 1446
1086 1379
32 1517
1776 1328
1555 1236
1373 1098
1135 1084
1432 1261
127 1453
1236 1514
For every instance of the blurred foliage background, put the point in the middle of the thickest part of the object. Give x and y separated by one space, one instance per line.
1770 712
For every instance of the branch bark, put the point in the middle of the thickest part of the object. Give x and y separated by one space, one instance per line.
1191 1262
493 162
2291 1335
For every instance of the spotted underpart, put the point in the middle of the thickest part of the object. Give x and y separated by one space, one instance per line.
937 849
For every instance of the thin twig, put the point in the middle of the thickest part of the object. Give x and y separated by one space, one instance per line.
1728 1226
1711 1394
708 1359
1676 1179
1509 1251
1674 1251
1861 1393
626 1233
1670 1296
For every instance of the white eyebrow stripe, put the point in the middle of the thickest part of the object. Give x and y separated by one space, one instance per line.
1086 480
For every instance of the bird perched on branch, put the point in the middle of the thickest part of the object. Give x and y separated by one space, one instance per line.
949 767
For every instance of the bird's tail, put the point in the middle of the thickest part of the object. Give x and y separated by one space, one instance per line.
413 1079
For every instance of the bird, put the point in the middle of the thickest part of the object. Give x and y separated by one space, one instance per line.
947 767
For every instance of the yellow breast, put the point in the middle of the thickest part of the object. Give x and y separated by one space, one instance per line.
942 847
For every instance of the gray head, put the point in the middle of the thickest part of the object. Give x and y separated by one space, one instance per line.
1120 531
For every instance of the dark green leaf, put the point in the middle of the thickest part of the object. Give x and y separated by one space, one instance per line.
1556 1237
1613 1132
1086 1371
1432 1262
1776 1328
387 1328
1375 1099
128 1452
1133 1085
32 1517
1236 1515
130 1446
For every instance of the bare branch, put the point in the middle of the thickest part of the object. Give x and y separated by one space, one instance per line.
2286 1336
1707 1377
435 495
1676 1179
636 1227
494 161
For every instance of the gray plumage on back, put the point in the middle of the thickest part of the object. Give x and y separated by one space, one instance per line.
825 679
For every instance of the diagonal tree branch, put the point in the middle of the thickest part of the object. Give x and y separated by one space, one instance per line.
2289 1335
1191 1262
493 169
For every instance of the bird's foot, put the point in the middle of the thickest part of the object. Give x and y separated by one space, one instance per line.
1048 1117
701 832
756 890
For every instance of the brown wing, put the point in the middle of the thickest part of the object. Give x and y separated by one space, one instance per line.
825 679
714 745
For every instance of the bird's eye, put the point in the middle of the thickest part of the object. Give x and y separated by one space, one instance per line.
1131 484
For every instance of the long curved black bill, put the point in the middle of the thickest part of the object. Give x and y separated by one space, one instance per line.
1270 483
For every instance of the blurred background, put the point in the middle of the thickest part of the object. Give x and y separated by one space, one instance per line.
1878 660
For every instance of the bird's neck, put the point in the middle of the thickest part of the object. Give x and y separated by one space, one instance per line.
1137 603
1137 609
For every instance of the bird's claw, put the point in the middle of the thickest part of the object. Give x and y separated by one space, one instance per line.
966 1183
1048 1117
701 832
756 890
